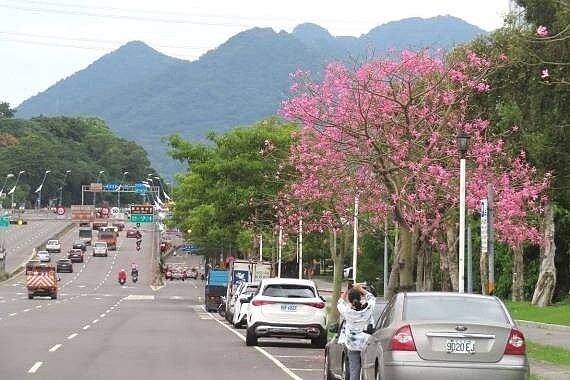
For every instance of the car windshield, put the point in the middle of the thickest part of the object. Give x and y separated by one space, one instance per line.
289 291
53 242
100 245
453 308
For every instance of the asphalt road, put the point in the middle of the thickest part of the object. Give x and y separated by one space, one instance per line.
98 329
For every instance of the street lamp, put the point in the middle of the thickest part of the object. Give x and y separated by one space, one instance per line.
13 190
67 172
97 181
119 190
462 146
39 189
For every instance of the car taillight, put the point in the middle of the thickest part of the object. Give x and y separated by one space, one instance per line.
318 305
261 302
515 344
402 340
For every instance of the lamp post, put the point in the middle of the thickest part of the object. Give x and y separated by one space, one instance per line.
13 190
462 146
67 172
39 189
97 181
9 175
119 190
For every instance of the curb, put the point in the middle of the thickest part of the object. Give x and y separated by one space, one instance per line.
545 326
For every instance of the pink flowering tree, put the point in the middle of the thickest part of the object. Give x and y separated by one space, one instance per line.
386 131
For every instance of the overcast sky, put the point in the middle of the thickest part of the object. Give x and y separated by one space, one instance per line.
43 41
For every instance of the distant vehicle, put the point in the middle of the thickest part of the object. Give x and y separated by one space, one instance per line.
53 245
176 271
79 244
287 308
241 305
86 234
18 218
64 265
100 248
436 335
119 224
76 255
43 256
41 280
336 355
109 235
100 222
132 233
216 286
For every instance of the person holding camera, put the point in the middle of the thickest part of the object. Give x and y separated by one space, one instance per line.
355 306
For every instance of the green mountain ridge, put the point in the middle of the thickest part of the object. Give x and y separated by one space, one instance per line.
145 95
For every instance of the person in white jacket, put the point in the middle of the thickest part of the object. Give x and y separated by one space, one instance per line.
355 306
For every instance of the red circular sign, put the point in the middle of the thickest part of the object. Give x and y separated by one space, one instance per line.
105 211
60 210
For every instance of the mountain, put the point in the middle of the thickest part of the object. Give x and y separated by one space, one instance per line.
145 95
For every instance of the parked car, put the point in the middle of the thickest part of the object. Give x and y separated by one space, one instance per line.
79 244
336 359
53 245
132 233
241 304
75 255
43 256
64 265
287 308
100 248
444 336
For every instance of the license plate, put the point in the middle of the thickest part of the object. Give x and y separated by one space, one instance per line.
289 308
459 346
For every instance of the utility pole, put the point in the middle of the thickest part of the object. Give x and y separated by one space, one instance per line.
491 240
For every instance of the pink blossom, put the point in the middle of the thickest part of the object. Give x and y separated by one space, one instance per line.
544 74
542 31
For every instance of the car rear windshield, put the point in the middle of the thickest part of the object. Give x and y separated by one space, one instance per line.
453 308
289 291
100 245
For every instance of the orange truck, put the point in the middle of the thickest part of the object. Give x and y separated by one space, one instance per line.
41 280
109 235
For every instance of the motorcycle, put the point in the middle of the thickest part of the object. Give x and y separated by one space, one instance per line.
122 281
135 276
139 242
222 307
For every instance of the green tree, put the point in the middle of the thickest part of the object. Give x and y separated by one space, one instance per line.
5 111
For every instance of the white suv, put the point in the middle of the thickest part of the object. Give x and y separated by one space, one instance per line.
241 302
100 248
287 308
53 245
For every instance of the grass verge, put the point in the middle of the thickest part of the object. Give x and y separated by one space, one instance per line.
550 354
556 314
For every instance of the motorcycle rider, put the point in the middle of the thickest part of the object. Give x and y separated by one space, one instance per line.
134 270
122 275
139 240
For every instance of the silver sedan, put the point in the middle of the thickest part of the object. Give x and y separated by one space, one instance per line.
429 335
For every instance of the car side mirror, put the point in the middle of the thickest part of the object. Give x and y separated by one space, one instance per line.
369 329
333 328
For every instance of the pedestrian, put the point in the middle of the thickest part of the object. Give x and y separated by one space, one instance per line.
355 306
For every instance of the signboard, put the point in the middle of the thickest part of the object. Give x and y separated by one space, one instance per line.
82 213
142 209
110 186
96 187
140 187
4 221
484 227
142 218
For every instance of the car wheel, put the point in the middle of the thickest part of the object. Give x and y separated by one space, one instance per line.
250 338
54 296
320 341
327 374
30 296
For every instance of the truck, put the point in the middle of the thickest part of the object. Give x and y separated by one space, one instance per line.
100 222
109 235
242 270
41 279
216 287
86 233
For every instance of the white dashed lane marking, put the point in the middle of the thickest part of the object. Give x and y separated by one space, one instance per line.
35 367
72 336
55 348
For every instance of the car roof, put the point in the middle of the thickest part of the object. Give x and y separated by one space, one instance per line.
288 281
446 294
63 259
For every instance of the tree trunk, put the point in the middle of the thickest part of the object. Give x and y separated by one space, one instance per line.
424 268
452 257
484 271
546 283
337 256
394 278
406 262
518 275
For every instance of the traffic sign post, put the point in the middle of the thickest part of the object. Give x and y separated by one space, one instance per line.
142 214
60 210
142 218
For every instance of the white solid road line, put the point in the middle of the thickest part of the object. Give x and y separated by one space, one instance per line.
72 336
86 327
54 348
35 367
261 350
